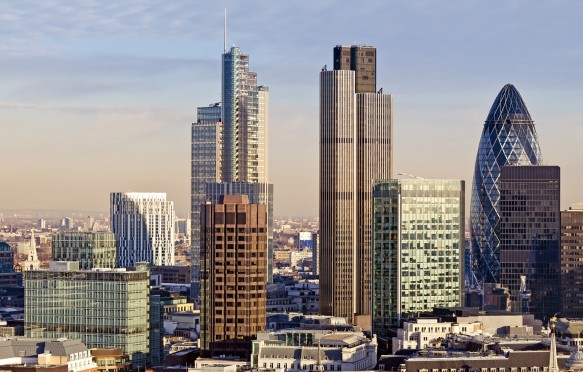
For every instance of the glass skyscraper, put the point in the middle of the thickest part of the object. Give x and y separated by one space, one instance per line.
230 148
508 138
418 240
207 139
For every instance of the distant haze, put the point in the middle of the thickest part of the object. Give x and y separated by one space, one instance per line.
99 97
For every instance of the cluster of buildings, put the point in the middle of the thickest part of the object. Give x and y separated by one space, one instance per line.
387 270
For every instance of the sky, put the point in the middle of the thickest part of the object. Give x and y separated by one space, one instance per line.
99 96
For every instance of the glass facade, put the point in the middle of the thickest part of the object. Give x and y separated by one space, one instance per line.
418 235
90 249
207 138
508 138
104 309
245 120
530 237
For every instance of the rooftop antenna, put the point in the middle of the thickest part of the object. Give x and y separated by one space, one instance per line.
225 34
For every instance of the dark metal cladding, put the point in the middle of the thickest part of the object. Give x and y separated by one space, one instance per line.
509 138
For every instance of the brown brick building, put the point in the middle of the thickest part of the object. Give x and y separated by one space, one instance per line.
233 275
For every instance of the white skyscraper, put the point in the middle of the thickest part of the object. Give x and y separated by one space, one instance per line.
143 224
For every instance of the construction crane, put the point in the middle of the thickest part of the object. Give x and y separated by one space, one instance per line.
410 176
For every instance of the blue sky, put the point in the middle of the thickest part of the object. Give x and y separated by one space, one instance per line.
99 96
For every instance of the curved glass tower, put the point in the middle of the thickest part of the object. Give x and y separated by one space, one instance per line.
508 138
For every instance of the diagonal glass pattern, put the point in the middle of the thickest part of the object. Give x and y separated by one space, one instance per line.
509 138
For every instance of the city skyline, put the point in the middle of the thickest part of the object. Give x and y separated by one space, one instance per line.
90 87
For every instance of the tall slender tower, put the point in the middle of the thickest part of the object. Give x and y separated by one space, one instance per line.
230 150
207 134
508 138
355 149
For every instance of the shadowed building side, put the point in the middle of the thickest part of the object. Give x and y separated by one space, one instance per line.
508 138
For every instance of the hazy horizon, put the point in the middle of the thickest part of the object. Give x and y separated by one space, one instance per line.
99 97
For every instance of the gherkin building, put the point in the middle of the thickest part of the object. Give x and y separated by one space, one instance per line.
509 138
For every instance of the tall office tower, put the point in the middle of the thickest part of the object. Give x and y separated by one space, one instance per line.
233 275
530 237
572 261
508 138
207 134
418 244
245 139
41 224
258 193
355 149
90 249
245 120
105 308
240 128
143 224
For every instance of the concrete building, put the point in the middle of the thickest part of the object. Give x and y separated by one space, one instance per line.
355 149
302 297
30 354
172 274
111 360
319 350
572 261
418 235
530 237
512 361
143 224
90 249
104 308
233 275
258 193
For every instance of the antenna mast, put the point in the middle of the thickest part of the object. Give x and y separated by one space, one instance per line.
225 34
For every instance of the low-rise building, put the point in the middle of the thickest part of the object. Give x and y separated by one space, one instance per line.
514 361
111 360
302 296
26 354
296 349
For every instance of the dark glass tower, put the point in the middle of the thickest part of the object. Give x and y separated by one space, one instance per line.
509 138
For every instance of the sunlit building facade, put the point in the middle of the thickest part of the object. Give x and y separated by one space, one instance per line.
104 308
143 224
508 138
233 275
90 249
355 149
418 239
